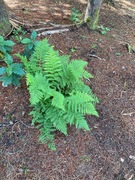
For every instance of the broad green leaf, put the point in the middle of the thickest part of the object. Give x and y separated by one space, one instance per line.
2 70
6 80
9 70
26 41
8 59
1 39
35 43
17 69
33 35
30 46
9 43
8 49
2 49
15 80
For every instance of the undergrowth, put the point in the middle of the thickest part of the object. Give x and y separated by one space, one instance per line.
58 94
11 72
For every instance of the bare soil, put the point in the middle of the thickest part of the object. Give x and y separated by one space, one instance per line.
107 152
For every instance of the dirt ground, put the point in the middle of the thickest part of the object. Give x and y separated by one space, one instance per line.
107 152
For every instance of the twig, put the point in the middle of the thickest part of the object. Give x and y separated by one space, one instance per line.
62 26
95 56
128 114
9 32
20 23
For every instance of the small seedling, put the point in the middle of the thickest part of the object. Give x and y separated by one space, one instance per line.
30 44
83 37
94 46
73 50
75 16
18 34
104 29
129 48
25 170
85 158
118 54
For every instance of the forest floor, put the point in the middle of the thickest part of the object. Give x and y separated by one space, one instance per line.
107 152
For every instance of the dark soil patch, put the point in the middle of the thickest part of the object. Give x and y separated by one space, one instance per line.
107 152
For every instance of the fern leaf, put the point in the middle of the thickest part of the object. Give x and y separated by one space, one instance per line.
76 119
38 88
52 66
70 117
40 51
58 100
76 68
81 103
56 117
81 123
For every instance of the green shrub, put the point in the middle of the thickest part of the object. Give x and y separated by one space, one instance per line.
12 72
6 45
57 93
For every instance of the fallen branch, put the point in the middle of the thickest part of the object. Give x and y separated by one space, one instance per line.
53 32
54 27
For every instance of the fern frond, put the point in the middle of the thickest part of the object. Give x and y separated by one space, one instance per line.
81 123
58 99
38 88
56 117
77 71
39 53
52 66
81 103
70 117
46 136
76 119
46 127
45 59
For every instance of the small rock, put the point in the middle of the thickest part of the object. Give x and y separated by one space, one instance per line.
121 159
123 67
11 123
23 113
132 157
21 170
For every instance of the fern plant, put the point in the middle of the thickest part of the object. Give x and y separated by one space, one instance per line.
58 94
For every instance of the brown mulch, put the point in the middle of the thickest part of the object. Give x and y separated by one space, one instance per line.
107 152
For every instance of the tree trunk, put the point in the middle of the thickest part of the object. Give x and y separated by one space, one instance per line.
92 13
5 25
